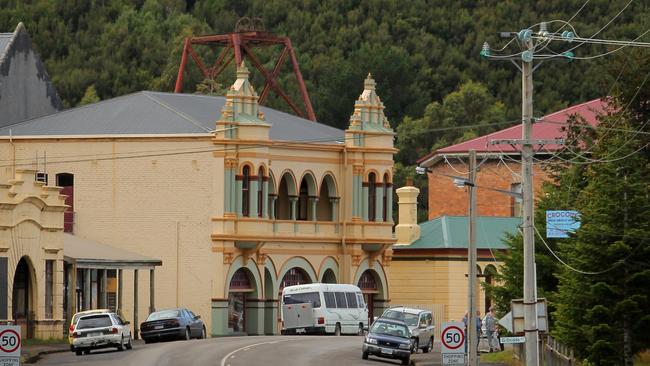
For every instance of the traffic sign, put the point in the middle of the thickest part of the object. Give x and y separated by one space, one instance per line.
9 345
509 340
453 337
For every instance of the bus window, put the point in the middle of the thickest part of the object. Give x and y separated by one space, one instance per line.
352 299
340 300
330 301
360 300
306 297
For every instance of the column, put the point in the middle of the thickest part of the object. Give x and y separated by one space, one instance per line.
272 198
356 196
238 196
294 203
135 304
313 201
364 201
103 296
389 202
120 291
265 197
87 290
152 293
379 203
335 208
252 193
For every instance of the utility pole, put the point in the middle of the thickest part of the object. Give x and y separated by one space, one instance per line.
472 337
530 286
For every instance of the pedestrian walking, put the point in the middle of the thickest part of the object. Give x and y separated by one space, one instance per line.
490 322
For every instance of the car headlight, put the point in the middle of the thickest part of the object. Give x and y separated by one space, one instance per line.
371 340
405 346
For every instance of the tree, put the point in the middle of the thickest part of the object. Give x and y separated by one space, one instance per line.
90 96
605 314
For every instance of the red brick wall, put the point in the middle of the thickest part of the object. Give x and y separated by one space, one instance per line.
446 199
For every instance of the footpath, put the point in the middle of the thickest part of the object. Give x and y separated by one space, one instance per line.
434 358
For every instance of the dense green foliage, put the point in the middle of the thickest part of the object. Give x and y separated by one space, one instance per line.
418 51
599 299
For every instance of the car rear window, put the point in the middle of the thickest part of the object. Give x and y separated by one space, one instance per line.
165 314
94 321
409 319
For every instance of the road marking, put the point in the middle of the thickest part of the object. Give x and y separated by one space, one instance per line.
231 355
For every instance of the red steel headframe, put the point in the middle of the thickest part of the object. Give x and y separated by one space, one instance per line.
238 46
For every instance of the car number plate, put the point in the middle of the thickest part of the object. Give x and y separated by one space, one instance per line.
387 351
95 334
158 327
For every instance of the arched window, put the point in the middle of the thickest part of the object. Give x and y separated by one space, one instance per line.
385 199
245 191
303 201
260 192
372 196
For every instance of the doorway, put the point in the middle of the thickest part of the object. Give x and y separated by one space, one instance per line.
21 299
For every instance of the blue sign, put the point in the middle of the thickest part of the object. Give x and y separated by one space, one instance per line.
560 223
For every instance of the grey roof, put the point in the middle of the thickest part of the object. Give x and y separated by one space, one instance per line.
26 90
90 254
148 112
5 38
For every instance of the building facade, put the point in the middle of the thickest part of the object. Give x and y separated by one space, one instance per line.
235 200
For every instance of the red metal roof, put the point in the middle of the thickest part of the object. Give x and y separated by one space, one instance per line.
550 127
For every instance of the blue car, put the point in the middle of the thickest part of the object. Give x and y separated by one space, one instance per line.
388 338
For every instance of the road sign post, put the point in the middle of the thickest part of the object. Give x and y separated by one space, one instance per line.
9 345
452 339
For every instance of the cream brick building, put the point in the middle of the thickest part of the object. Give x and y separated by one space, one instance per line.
226 200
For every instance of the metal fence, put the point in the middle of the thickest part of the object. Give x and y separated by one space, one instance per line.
437 310
551 353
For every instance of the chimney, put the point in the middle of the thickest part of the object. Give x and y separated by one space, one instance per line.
407 230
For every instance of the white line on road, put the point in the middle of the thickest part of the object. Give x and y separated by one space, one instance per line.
231 355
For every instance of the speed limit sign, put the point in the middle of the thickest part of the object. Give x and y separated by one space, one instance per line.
452 340
9 345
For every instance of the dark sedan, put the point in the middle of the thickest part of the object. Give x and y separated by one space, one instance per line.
388 338
172 324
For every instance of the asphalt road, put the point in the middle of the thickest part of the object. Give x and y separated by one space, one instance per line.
232 351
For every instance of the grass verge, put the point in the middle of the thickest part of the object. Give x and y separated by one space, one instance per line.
504 357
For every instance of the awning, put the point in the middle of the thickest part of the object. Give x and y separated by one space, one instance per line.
86 253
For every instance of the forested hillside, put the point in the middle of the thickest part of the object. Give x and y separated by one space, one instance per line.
418 51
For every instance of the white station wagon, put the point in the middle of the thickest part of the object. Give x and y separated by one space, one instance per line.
100 331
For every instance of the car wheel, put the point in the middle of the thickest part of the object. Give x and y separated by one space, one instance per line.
429 346
129 343
78 352
406 361
414 349
203 333
188 336
364 355
337 329
87 352
120 347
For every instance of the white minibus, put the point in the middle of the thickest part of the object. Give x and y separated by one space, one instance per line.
323 308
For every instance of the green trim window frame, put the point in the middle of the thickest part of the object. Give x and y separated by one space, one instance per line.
245 191
372 197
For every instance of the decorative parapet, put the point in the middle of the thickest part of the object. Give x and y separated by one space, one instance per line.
241 106
25 199
368 112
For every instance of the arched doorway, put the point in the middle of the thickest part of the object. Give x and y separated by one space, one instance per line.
329 276
368 285
22 301
239 289
294 276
